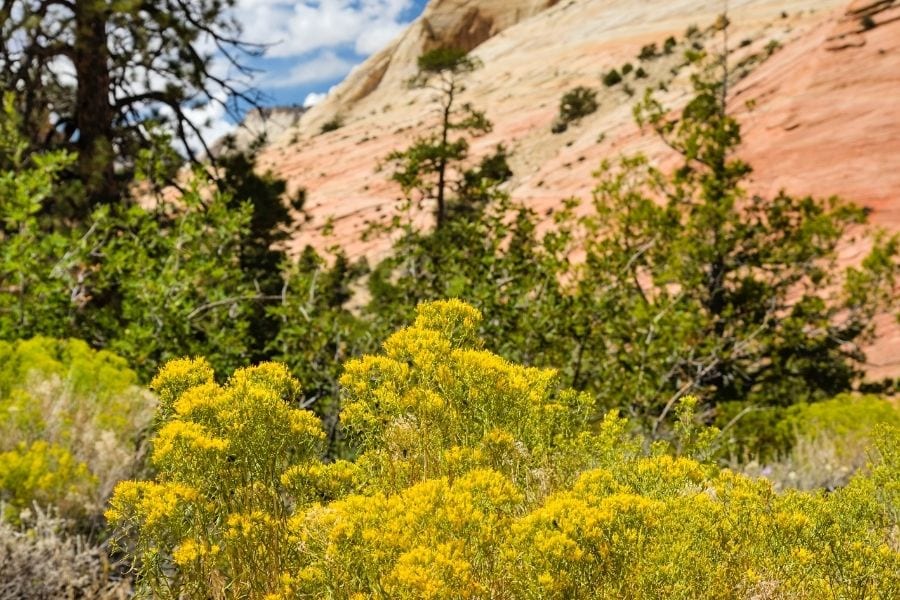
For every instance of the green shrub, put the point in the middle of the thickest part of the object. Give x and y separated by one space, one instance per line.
71 423
575 104
847 416
648 52
475 477
612 78
811 446
148 284
669 45
332 124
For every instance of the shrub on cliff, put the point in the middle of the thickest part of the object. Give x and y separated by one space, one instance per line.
575 104
612 78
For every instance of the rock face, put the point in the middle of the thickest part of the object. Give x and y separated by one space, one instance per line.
270 122
450 23
817 98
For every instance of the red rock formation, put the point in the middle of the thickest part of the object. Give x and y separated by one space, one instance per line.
825 116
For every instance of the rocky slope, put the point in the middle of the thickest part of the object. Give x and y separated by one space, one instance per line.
268 123
815 100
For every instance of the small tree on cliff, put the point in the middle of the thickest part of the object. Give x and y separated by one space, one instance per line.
425 168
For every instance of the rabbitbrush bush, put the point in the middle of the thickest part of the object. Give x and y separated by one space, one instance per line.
71 423
474 478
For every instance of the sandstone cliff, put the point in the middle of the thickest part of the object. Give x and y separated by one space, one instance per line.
818 100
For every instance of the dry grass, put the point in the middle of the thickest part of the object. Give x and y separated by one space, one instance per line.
106 434
40 560
825 461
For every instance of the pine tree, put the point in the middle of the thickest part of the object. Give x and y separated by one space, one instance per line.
425 167
99 76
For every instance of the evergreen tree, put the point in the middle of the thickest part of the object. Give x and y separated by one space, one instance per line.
96 75
425 167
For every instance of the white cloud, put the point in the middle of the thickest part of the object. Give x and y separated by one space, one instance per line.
313 98
320 40
325 67
377 37
297 28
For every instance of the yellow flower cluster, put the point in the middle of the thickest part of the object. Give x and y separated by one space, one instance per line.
42 473
433 574
176 377
148 501
225 458
318 481
435 393
476 478
186 436
191 550
380 540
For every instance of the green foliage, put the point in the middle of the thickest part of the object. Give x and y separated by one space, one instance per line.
262 240
446 59
650 51
847 417
71 422
814 446
29 296
174 285
476 477
612 78
687 284
332 124
669 45
316 333
772 47
576 103
148 283
424 169
735 283
495 260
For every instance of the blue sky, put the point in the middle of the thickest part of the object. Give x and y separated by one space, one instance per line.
315 43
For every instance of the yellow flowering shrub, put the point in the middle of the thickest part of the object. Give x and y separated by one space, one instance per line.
45 474
476 478
216 513
71 425
435 404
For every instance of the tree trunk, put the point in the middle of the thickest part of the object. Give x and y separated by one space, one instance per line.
442 164
93 113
